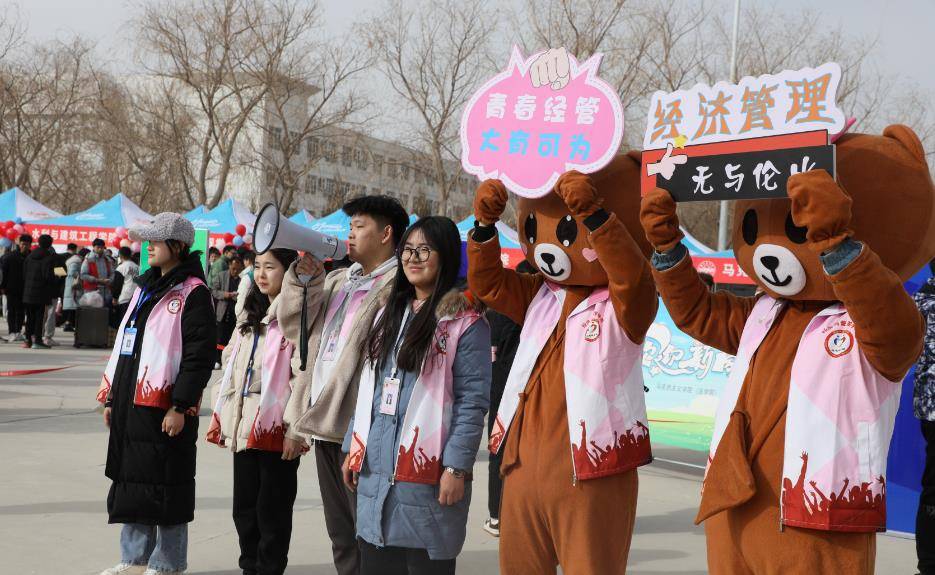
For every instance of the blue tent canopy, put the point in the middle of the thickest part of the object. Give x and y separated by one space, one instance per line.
15 203
224 218
303 218
118 211
195 212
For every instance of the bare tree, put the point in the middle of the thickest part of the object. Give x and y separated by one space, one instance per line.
212 49
45 102
308 78
434 56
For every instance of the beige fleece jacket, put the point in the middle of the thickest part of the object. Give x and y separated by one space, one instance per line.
329 416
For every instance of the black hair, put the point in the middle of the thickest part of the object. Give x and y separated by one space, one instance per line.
229 248
180 250
246 255
83 252
125 252
385 210
25 238
71 247
256 304
441 234
213 251
45 241
98 242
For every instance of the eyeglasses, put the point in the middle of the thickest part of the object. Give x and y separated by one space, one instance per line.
420 254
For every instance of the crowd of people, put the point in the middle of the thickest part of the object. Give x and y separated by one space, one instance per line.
364 390
43 289
383 365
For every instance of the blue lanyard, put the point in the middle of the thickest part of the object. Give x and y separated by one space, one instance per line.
248 378
144 297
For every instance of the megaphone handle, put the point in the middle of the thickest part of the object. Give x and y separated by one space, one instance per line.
303 330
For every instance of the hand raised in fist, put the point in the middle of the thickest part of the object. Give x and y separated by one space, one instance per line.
821 206
552 68
578 192
660 220
489 201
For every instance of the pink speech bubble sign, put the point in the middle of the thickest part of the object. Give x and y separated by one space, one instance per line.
527 137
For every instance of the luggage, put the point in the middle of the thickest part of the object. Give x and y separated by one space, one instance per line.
92 326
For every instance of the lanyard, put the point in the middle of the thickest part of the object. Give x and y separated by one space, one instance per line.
248 378
144 297
399 340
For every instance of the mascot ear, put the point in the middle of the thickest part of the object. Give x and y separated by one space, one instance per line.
636 156
909 140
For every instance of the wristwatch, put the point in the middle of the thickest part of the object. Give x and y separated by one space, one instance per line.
456 473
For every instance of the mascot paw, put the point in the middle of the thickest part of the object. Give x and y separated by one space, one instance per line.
821 206
660 220
489 201
578 192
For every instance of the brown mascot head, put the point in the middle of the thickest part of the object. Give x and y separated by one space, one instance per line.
557 244
893 212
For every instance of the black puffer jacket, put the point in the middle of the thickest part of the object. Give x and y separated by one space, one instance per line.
39 286
154 475
11 265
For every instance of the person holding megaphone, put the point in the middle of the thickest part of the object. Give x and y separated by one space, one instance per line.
337 323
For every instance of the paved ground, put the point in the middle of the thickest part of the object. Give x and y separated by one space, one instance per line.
53 520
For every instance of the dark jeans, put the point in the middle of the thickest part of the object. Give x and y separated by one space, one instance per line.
225 331
925 520
69 316
401 561
494 481
35 321
340 507
15 313
264 493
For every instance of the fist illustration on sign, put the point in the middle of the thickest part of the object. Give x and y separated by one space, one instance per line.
551 68
666 165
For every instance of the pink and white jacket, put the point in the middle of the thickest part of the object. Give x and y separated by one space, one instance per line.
603 383
268 390
160 350
428 417
839 422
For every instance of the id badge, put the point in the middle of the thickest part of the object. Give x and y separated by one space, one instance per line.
129 338
390 396
330 347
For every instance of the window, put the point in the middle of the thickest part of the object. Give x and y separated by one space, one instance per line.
404 172
330 152
346 154
312 147
391 170
378 164
328 186
276 138
360 159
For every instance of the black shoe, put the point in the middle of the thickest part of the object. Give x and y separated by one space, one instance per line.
68 328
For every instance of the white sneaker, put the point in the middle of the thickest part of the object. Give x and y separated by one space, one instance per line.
217 365
124 569
152 571
50 342
15 337
492 526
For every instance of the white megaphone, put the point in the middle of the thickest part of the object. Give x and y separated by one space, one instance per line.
273 230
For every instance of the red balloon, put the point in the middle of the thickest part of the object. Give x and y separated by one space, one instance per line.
240 229
116 242
9 223
228 238
12 234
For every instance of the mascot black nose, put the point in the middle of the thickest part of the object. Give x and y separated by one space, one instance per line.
771 262
547 258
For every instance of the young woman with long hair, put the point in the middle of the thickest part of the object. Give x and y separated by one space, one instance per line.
423 394
248 418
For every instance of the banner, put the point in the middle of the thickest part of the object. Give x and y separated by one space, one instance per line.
526 129
742 141
685 379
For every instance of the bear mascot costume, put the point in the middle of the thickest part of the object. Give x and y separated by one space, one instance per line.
796 477
572 424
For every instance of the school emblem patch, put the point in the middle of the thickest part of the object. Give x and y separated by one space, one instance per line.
839 342
174 305
592 329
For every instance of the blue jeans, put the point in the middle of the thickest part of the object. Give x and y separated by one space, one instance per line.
162 547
